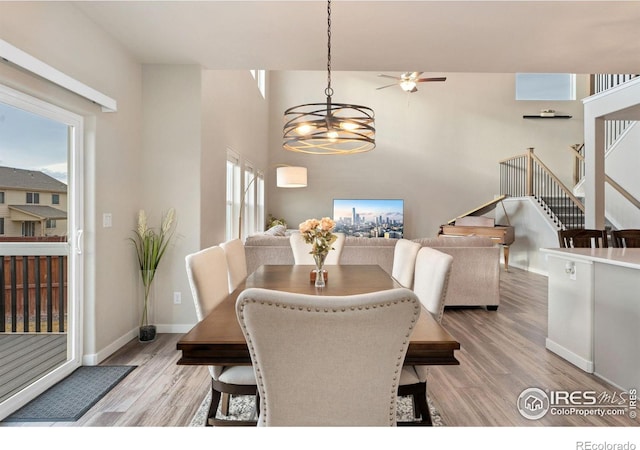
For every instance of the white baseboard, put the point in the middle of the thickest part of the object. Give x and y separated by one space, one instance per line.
94 359
526 268
573 358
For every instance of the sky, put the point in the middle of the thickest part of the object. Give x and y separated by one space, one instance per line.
369 208
29 141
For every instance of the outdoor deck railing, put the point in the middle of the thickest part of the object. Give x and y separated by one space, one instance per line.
33 287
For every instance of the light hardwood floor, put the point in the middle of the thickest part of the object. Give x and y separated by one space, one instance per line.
502 353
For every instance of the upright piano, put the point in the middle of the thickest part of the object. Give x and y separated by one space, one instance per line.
474 223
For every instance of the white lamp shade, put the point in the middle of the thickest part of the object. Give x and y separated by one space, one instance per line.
291 177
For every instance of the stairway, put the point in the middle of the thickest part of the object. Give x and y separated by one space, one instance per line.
565 214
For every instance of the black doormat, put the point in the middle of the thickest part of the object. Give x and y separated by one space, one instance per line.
71 397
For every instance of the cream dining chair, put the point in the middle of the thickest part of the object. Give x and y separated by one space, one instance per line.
430 285
327 360
236 261
209 281
404 262
301 250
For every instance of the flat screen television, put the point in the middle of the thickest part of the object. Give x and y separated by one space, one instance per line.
369 217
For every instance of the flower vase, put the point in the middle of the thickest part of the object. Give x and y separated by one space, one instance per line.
147 332
319 259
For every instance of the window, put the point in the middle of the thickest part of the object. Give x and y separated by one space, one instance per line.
33 198
1 225
249 193
260 77
51 223
245 189
545 86
55 199
28 228
260 218
1 197
233 195
253 213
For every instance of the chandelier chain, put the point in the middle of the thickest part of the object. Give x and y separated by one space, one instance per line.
329 90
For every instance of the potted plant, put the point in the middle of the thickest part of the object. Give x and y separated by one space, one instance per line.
150 246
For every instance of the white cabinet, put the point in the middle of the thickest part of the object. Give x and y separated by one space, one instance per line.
594 311
571 306
617 330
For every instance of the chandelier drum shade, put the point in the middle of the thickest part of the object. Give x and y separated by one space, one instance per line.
329 128
291 177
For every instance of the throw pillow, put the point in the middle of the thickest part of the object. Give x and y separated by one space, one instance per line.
278 230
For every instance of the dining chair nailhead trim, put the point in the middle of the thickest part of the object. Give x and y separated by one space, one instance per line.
399 363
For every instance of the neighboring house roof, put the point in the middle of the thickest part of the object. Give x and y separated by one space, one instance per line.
39 211
12 178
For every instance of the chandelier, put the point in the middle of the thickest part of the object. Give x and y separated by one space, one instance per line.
329 128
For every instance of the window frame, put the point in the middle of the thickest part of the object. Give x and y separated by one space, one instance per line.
232 194
35 198
526 83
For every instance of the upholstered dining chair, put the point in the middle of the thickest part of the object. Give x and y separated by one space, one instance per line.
301 250
629 238
582 238
404 261
236 262
209 281
432 270
327 360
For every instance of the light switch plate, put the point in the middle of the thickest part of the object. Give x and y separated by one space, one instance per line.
107 220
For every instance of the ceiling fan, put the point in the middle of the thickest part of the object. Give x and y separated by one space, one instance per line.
408 81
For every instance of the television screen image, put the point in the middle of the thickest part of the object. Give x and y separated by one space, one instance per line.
369 218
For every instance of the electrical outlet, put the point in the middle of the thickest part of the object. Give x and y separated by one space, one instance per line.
177 298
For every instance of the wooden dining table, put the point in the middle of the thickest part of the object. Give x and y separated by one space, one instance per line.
218 338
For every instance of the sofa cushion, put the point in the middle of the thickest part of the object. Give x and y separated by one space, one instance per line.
267 240
456 241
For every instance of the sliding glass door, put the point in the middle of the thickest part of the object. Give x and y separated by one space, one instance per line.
40 246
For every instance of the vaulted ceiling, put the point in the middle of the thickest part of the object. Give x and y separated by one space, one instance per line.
430 36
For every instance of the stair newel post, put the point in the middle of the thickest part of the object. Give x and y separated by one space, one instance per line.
529 188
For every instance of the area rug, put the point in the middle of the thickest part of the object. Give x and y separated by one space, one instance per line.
242 407
70 398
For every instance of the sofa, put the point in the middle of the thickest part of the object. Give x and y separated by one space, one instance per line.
475 273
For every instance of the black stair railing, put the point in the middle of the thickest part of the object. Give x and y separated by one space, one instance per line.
526 176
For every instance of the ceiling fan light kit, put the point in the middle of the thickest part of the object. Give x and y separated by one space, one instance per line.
329 128
408 81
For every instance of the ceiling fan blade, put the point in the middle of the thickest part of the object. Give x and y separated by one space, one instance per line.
389 76
415 74
388 85
421 80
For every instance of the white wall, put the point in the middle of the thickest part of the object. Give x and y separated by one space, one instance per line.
619 211
235 116
165 147
64 38
170 178
533 231
438 148
190 117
